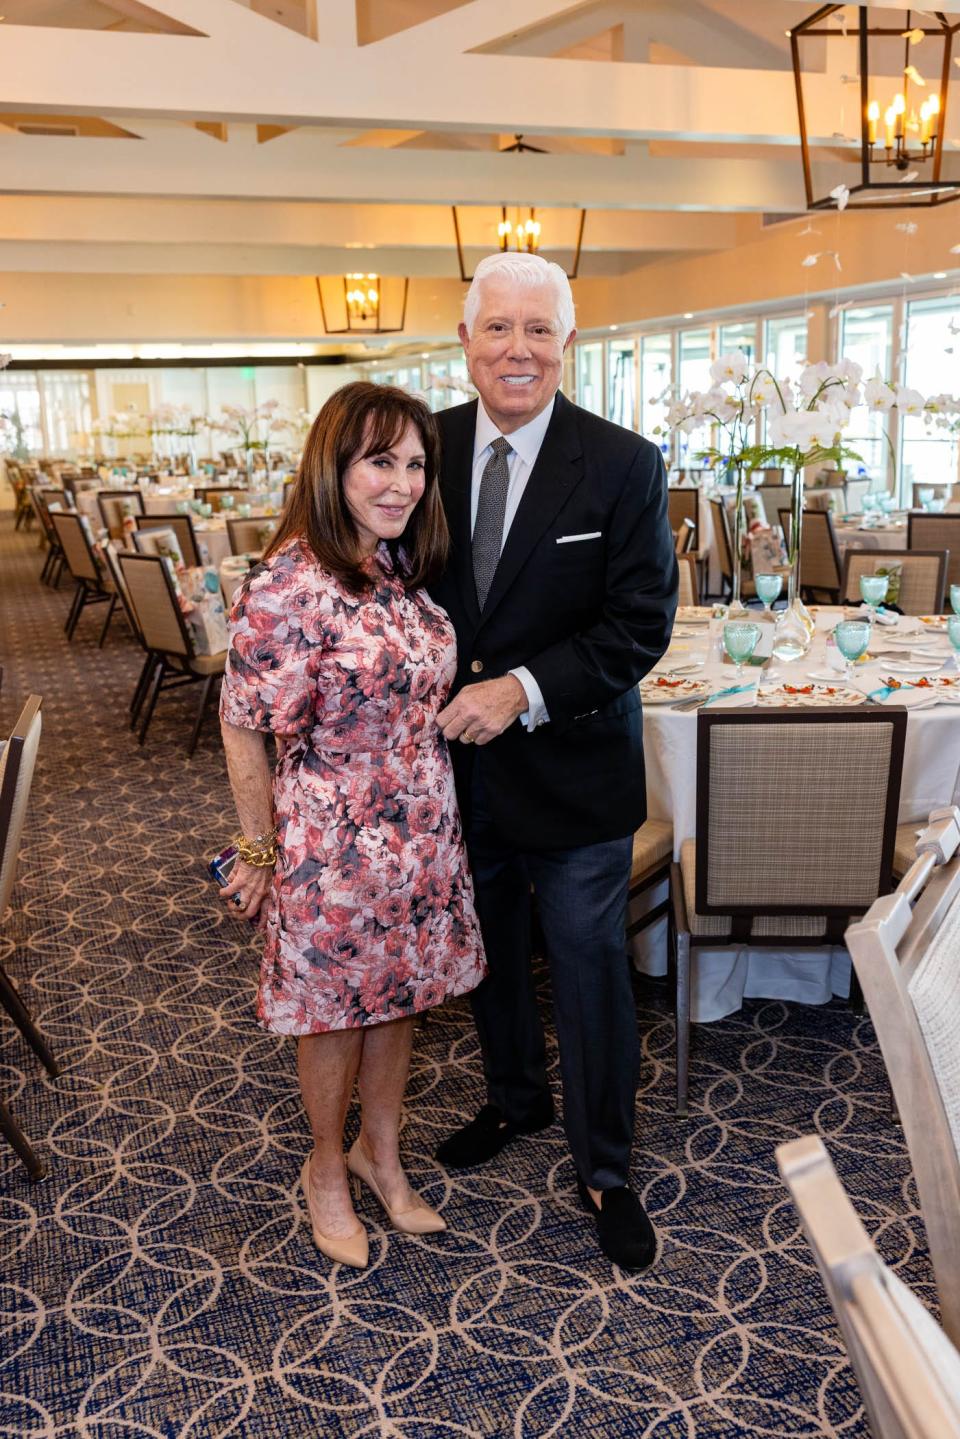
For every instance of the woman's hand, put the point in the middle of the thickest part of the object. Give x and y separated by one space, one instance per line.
248 888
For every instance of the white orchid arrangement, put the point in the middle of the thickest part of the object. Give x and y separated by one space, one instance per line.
251 428
178 420
125 425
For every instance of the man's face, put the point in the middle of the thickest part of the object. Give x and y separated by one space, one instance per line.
515 351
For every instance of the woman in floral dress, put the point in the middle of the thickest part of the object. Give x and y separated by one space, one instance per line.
352 852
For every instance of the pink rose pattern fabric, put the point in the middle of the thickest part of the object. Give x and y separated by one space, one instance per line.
371 915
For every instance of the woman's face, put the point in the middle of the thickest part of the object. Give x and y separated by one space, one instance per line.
381 491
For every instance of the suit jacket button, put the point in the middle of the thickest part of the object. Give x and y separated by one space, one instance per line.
477 666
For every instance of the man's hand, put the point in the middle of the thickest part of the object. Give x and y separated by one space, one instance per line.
481 712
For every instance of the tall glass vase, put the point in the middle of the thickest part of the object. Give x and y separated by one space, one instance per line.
795 626
736 603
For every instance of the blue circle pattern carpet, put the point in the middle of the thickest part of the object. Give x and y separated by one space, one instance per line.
162 1283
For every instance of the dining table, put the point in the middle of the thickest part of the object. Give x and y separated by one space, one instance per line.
909 662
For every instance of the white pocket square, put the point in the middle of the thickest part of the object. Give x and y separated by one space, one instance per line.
571 539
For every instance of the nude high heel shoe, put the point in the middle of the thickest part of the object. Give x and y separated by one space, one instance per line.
420 1219
352 1249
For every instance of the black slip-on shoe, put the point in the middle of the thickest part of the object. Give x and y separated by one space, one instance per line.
625 1233
485 1136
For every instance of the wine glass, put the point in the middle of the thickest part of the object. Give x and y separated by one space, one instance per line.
740 639
226 502
873 592
768 589
852 638
955 599
924 496
953 630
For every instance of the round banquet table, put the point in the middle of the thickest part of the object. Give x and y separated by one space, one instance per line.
721 979
852 537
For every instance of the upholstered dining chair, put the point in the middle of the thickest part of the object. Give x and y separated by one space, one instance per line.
17 762
213 495
769 866
115 505
689 593
93 584
685 539
650 866
251 535
724 543
936 532
907 1368
123 594
774 498
819 555
682 504
906 952
175 661
182 526
922 576
41 497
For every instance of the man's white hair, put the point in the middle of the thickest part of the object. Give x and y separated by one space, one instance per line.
528 270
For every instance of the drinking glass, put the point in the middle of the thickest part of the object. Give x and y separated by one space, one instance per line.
955 599
924 496
182 507
873 591
206 510
768 589
852 638
740 639
953 631
888 503
937 505
226 502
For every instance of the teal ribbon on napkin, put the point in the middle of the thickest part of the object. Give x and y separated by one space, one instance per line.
733 690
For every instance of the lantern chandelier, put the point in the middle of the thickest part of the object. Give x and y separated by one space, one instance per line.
515 233
363 304
901 141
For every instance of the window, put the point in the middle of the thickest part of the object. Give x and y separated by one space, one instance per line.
656 375
739 337
67 410
866 336
621 382
927 456
20 399
694 374
784 344
590 377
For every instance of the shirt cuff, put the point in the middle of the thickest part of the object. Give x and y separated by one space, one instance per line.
536 711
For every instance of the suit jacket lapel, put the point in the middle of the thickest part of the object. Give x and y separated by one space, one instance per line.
557 472
457 482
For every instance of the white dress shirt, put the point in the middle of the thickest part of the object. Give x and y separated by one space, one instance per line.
525 446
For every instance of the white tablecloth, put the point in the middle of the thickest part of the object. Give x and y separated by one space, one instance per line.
721 979
854 538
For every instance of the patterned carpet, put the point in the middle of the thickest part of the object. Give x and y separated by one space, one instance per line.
162 1281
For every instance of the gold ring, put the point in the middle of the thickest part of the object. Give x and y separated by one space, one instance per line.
467 738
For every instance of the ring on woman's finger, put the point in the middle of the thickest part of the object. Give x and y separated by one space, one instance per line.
238 900
467 738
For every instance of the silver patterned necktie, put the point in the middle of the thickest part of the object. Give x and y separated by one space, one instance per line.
491 508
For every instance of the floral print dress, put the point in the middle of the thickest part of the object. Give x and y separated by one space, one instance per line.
371 914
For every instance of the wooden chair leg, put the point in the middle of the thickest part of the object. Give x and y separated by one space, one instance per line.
20 1015
15 1136
201 707
683 1023
106 624
151 698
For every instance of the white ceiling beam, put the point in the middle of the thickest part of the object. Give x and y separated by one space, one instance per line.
332 22
482 23
183 162
257 71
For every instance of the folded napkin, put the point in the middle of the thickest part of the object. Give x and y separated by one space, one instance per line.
735 696
912 696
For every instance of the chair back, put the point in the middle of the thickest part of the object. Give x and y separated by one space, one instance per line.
682 504
155 604
906 951
115 506
723 537
182 526
689 589
768 476
76 547
936 532
855 491
248 536
820 554
762 844
213 495
907 1369
922 576
16 776
774 498
686 537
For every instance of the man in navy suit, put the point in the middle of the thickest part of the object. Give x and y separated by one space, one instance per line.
562 586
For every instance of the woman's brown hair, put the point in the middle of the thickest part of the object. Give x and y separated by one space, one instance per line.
358 421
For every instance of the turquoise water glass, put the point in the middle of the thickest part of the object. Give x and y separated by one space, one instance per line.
955 599
924 496
768 589
852 638
888 503
226 502
206 510
953 630
937 505
740 639
873 591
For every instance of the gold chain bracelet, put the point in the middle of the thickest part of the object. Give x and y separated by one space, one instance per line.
260 852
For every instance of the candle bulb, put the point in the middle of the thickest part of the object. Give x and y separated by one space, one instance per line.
934 103
889 120
873 115
925 123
